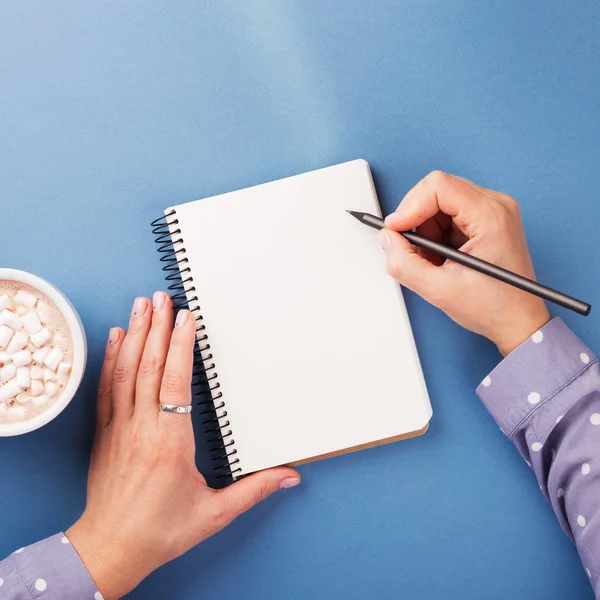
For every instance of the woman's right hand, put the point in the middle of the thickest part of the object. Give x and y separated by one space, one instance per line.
478 221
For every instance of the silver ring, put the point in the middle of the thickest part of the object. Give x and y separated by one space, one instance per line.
176 408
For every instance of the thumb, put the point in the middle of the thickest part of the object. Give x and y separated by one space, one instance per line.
409 268
244 494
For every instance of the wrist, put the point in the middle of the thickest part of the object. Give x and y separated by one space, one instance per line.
521 329
114 570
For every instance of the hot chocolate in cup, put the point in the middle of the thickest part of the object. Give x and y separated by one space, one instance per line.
43 352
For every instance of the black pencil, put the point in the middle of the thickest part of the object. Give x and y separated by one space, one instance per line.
528 285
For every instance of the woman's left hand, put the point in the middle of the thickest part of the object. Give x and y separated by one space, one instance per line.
147 503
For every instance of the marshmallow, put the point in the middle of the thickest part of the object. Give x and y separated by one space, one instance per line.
18 342
9 390
49 375
7 372
4 358
37 372
60 339
53 359
43 312
40 355
5 334
28 300
51 388
40 400
16 412
9 318
21 358
21 310
32 323
5 302
37 388
23 398
39 338
23 380
64 369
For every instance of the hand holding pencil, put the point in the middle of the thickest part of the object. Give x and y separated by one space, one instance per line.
482 223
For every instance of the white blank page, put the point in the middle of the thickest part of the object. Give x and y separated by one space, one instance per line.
310 337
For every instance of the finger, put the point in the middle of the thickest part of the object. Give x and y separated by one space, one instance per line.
432 230
177 378
456 237
246 493
128 362
438 192
474 185
492 194
410 269
152 366
451 233
104 408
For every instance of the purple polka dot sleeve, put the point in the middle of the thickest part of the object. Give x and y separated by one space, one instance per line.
545 396
49 570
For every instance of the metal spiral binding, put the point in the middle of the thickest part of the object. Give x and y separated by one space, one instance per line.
205 382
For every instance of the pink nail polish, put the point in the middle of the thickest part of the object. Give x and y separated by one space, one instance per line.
113 336
158 300
139 307
182 318
288 482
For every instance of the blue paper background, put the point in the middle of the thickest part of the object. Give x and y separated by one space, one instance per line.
110 111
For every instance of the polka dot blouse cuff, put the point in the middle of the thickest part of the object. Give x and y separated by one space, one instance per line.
545 396
50 570
535 381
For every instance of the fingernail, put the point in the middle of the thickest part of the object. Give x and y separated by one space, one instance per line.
158 300
392 221
182 318
289 482
139 307
384 239
113 336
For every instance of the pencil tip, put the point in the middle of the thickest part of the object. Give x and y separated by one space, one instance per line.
355 214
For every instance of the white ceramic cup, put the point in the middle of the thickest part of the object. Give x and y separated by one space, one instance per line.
78 342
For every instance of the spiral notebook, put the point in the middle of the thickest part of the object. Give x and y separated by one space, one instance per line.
305 349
